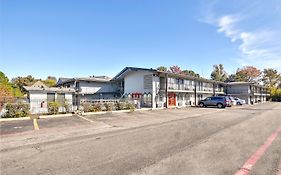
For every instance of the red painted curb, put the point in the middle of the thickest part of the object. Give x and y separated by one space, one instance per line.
247 167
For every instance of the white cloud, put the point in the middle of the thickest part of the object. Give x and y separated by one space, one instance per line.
226 25
255 47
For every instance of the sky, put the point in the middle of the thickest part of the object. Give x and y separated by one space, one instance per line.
80 38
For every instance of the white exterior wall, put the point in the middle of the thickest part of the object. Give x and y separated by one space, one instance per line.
96 87
68 98
134 82
36 102
36 98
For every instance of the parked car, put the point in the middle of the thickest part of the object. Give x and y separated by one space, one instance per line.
219 101
232 100
239 101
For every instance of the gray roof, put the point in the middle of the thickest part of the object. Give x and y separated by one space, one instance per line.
41 87
91 78
126 70
245 83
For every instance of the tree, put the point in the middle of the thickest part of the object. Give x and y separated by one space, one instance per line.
271 77
3 78
248 74
219 74
6 90
23 81
162 68
175 69
50 81
190 73
231 78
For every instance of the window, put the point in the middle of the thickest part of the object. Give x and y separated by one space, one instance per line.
77 85
50 97
61 98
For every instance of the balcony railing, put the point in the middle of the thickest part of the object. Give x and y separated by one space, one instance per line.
180 87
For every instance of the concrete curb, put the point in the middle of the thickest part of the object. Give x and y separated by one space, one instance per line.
14 119
54 116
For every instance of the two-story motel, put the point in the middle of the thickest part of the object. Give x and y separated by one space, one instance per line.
250 92
156 89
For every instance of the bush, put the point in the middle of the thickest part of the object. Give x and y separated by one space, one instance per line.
53 107
87 107
120 105
130 106
109 106
67 107
16 110
96 107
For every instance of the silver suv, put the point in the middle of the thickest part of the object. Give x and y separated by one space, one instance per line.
219 101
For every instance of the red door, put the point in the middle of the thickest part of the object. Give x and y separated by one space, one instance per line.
172 99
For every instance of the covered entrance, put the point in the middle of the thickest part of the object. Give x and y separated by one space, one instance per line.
172 99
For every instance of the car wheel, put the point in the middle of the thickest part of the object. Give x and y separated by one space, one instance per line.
219 105
201 105
238 103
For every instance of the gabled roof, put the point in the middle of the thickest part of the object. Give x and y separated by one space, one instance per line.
39 84
41 87
126 70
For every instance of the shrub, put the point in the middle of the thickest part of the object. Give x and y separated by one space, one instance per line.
53 107
87 107
67 106
109 106
120 105
16 110
96 107
130 106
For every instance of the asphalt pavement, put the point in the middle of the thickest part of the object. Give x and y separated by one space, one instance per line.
188 141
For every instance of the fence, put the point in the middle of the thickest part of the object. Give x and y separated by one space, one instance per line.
37 106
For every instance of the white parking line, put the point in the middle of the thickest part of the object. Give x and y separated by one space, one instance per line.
85 118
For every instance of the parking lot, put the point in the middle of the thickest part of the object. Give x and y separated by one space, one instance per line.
170 141
121 120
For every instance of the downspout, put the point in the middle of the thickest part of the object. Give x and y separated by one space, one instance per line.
166 89
195 93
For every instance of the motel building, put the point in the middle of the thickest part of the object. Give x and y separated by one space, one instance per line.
155 89
146 88
250 92
91 89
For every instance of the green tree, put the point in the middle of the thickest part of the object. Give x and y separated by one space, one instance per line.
190 73
23 81
3 78
50 81
271 77
8 89
231 78
219 74
162 68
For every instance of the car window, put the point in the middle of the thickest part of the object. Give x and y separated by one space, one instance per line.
208 99
216 98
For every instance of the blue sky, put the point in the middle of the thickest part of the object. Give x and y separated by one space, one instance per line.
67 38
